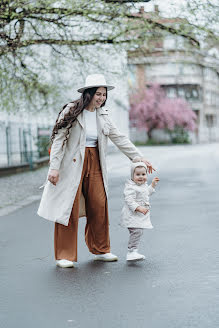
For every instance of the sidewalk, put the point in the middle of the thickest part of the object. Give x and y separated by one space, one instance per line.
21 189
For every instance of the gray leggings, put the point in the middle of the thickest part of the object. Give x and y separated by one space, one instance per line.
134 238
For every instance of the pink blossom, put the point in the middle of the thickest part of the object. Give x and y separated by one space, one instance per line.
152 109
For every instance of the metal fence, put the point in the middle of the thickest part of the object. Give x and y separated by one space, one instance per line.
22 143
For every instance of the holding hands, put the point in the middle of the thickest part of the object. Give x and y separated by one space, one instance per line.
149 165
146 162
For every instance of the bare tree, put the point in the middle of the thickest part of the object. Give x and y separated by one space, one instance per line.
66 28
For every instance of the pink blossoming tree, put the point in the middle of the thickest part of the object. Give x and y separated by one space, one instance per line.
152 109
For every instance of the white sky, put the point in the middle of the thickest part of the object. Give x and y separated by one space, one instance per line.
166 7
175 8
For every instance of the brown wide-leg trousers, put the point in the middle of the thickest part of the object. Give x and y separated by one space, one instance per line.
97 226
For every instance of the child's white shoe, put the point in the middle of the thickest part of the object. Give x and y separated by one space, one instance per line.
65 263
134 256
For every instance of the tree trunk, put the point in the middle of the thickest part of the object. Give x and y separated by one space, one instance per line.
150 134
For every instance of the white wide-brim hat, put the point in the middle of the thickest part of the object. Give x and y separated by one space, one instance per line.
95 80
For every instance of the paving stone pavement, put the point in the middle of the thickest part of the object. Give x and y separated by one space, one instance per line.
20 189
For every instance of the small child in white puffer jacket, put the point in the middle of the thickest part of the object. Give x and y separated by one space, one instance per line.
136 211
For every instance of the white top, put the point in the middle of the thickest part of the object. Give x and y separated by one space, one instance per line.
91 128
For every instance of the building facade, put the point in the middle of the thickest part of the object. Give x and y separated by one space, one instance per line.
183 71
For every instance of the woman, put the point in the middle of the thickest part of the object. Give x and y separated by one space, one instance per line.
77 178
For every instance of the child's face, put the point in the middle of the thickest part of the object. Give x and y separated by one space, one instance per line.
140 175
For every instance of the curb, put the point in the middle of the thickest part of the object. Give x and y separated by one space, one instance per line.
14 169
12 208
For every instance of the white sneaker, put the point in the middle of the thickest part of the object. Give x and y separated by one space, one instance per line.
134 256
107 257
65 263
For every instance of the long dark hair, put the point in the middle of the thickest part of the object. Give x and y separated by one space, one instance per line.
76 107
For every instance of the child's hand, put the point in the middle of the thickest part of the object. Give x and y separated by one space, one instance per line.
142 209
155 182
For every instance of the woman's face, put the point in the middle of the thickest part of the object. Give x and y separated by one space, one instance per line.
99 97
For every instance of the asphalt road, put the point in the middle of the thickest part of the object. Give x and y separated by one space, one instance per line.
175 287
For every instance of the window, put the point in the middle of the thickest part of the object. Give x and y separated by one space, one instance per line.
194 93
171 92
210 119
181 92
188 91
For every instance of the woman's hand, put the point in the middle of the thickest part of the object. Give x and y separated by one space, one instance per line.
53 176
142 209
154 182
149 165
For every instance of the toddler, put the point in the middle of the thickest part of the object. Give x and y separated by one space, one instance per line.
136 211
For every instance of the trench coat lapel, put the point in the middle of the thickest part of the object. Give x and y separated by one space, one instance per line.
100 112
99 134
80 119
101 143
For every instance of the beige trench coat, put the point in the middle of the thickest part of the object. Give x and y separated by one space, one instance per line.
57 201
